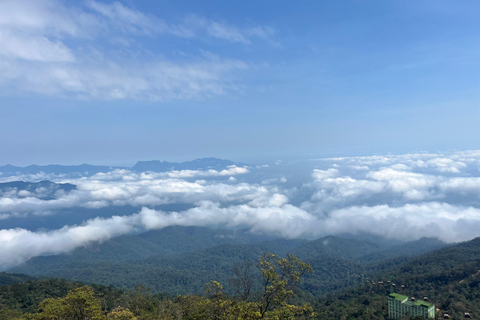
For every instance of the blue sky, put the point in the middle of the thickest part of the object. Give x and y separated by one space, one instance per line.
115 82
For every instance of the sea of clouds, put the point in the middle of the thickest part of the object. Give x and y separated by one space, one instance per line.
396 196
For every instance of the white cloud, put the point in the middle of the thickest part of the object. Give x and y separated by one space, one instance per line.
46 17
285 220
228 32
156 80
274 181
356 167
394 180
231 170
32 177
128 20
267 199
123 187
401 181
18 245
324 174
54 48
409 222
27 47
461 185
446 165
400 166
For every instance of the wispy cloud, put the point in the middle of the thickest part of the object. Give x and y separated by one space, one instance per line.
132 21
157 81
28 47
53 48
225 31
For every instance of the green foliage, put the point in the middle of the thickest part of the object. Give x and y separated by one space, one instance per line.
7 314
350 249
121 314
180 260
9 278
186 273
449 277
278 275
79 304
25 297
140 301
219 306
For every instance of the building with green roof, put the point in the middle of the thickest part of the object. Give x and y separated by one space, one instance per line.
400 306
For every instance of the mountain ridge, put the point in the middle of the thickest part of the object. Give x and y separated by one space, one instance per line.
140 166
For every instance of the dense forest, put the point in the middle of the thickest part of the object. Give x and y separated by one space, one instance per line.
332 278
180 260
328 278
60 299
449 278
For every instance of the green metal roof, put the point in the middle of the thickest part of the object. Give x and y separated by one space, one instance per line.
398 296
401 297
423 303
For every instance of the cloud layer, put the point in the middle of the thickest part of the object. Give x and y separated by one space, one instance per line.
123 187
403 197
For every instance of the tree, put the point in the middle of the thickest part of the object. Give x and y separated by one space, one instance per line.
219 304
121 314
7 314
279 276
82 304
242 283
79 304
141 301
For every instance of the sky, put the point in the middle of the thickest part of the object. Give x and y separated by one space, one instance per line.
106 82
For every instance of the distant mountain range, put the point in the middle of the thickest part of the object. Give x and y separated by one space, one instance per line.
140 166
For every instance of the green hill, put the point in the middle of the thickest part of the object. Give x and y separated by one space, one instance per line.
449 277
180 260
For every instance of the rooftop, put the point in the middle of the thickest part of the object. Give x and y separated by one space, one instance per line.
398 296
405 300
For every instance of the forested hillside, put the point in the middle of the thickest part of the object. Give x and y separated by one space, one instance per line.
9 278
180 260
59 299
449 277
